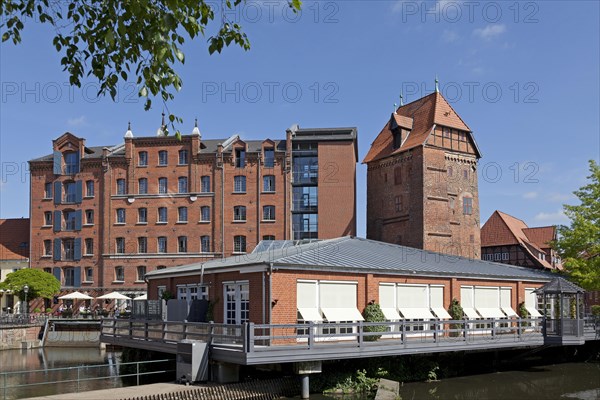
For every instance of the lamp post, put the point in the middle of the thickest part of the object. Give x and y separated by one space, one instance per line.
26 290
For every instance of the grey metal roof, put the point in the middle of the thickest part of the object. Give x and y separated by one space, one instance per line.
351 254
91 152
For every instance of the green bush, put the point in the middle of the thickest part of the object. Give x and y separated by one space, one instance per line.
373 313
456 312
596 311
48 310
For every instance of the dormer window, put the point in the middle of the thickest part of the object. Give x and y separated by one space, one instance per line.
240 158
269 157
397 138
71 163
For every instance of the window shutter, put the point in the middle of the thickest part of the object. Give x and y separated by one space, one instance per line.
57 221
57 192
77 249
78 191
57 163
78 216
57 249
77 275
56 273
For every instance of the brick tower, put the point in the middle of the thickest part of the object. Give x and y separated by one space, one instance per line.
422 187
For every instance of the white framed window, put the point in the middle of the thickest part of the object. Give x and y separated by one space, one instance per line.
236 309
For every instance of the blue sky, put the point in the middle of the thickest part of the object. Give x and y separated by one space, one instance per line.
525 76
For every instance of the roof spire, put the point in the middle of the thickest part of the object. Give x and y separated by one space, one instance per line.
162 129
401 99
395 107
196 131
437 89
129 134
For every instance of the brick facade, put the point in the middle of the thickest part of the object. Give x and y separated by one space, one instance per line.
107 250
422 186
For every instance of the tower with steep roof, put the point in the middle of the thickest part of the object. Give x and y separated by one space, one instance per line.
422 186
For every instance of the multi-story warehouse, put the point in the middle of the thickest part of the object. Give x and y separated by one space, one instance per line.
102 217
422 180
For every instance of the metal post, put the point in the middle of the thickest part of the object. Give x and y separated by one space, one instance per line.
465 327
77 379
305 383
360 333
311 334
250 333
137 373
519 328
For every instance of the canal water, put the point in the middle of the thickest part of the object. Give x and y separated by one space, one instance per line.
571 381
37 362
577 381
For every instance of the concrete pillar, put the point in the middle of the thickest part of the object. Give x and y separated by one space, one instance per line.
305 386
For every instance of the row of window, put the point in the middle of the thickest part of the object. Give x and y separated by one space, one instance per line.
239 214
239 185
183 158
496 257
239 244
71 276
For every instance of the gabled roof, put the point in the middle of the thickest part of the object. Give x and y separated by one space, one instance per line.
14 238
502 229
423 115
356 255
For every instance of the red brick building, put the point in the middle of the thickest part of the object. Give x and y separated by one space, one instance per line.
333 281
422 187
509 240
102 217
14 254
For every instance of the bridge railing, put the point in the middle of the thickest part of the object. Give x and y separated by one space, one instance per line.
250 337
173 332
263 337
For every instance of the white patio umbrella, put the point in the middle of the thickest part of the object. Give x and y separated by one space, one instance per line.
114 295
142 297
76 296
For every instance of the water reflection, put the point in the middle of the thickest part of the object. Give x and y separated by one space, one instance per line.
553 382
38 362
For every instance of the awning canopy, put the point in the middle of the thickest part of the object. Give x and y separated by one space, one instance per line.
342 314
391 314
509 312
310 314
76 296
142 297
471 313
533 312
490 312
441 313
114 295
416 313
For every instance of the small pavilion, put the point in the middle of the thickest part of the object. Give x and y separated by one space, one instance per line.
563 312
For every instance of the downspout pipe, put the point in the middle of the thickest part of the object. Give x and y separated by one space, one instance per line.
270 291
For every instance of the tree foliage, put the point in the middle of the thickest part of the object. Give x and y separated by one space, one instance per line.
134 40
373 313
41 284
579 243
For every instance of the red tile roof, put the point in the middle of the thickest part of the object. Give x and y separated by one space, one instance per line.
421 115
541 236
503 229
14 239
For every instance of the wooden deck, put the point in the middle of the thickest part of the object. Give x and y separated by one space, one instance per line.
251 344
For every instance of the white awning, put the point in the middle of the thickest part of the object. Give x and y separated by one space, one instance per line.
471 313
391 314
491 312
416 313
310 314
342 314
441 313
533 312
509 312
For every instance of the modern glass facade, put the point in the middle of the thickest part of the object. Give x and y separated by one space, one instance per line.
305 181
